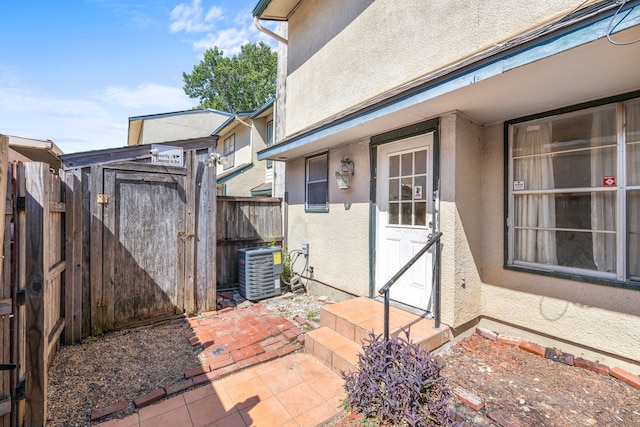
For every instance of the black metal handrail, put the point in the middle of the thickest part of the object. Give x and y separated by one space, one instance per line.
435 282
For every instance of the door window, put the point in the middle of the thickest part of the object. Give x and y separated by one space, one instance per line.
408 189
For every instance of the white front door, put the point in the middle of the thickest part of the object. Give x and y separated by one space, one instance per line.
404 217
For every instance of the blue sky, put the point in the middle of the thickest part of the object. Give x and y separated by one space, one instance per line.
74 71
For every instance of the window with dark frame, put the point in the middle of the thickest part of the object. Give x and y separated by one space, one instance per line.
574 192
229 151
317 185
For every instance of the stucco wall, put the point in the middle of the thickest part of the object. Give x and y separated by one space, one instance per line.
181 126
339 239
603 318
460 172
241 184
342 53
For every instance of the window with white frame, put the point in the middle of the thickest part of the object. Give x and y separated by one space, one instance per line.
229 151
317 185
574 192
269 141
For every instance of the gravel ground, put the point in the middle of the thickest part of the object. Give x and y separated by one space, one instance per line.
125 364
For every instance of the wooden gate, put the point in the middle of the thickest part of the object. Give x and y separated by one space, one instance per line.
33 285
140 238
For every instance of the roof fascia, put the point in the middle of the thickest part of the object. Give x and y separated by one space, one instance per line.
465 74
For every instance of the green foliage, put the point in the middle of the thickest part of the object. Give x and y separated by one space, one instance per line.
396 383
242 82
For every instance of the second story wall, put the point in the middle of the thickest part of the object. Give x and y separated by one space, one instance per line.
343 53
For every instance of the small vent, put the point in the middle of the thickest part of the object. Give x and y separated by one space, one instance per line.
259 272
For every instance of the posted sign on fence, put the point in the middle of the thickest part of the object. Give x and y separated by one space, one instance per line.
166 155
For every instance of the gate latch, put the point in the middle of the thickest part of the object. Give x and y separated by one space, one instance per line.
102 199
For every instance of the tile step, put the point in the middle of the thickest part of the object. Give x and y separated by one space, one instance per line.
337 352
354 319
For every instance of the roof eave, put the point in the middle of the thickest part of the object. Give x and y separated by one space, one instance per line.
275 10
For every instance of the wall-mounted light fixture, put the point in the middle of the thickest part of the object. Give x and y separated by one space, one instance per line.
215 158
344 174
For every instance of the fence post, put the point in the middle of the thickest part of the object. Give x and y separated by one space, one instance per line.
37 202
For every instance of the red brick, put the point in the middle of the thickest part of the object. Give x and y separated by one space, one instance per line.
274 346
257 348
205 378
301 339
249 362
285 350
508 339
108 410
227 370
532 348
558 356
629 378
238 355
291 334
194 340
269 341
149 398
473 401
221 362
503 419
591 366
193 322
177 388
487 333
264 357
196 371
301 320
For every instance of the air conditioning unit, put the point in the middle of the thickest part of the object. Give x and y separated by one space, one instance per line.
259 272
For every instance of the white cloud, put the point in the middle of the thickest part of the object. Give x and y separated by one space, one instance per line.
230 39
73 124
97 121
192 18
149 95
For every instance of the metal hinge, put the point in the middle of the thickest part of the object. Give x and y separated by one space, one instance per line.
186 234
102 199
102 302
21 389
21 297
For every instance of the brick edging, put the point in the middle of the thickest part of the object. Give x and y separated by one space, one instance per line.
293 341
476 403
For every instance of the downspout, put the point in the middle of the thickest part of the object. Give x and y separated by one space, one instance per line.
256 22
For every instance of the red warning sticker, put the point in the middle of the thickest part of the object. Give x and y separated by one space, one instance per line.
609 181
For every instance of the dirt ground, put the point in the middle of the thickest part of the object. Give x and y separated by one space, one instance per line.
529 389
536 391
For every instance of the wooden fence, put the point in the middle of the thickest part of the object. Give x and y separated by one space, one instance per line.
33 267
46 289
244 222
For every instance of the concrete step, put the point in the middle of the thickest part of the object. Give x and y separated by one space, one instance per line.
345 326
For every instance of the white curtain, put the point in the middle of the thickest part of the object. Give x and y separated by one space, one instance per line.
633 178
603 204
536 210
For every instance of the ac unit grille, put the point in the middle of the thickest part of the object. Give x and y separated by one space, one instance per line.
259 272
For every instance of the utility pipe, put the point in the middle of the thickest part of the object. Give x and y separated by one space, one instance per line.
256 22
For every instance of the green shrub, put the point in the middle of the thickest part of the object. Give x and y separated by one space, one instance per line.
398 384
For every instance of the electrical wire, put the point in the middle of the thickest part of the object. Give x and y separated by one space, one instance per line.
610 29
294 256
